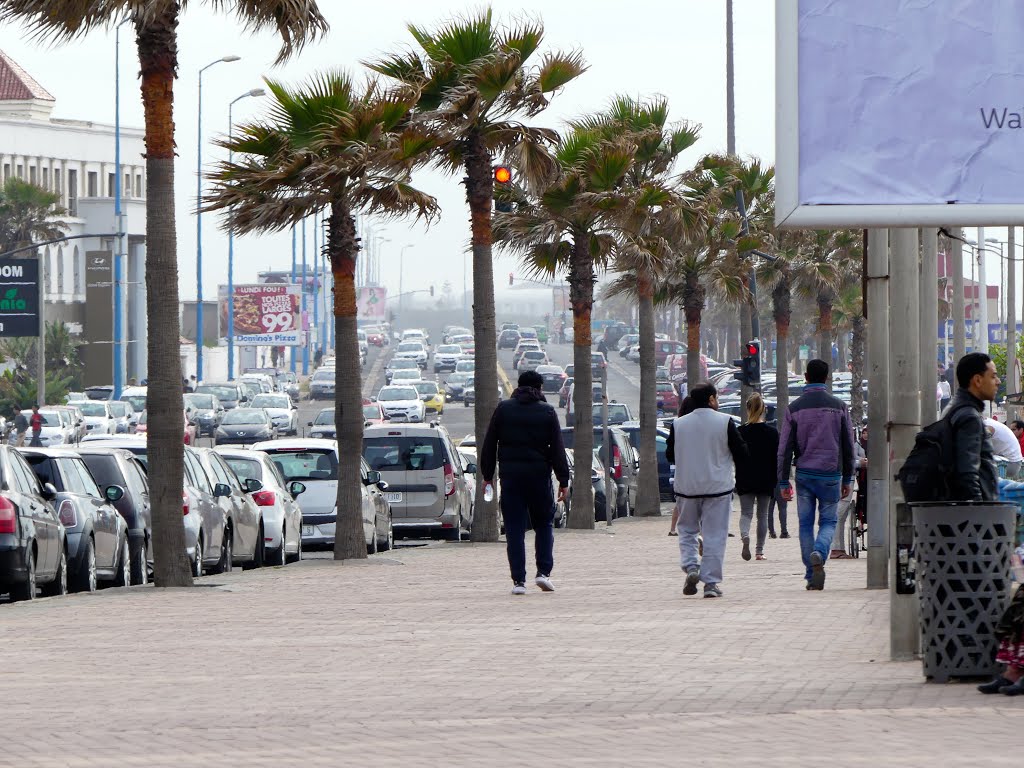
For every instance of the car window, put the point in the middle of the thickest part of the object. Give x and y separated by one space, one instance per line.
225 472
306 464
246 469
220 392
245 416
395 452
24 478
72 480
135 476
104 468
271 401
44 470
197 474
88 481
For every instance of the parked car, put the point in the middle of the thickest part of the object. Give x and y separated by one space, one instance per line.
598 362
667 397
625 342
427 487
114 466
247 545
596 482
204 411
76 419
260 380
618 413
281 410
288 383
282 516
632 430
57 427
323 426
229 395
401 403
244 426
98 418
123 415
373 413
33 543
136 396
98 549
207 545
624 464
100 392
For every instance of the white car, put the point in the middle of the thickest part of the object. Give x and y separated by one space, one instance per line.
136 396
281 410
531 360
57 428
415 334
406 376
412 350
465 366
98 418
282 516
447 357
401 403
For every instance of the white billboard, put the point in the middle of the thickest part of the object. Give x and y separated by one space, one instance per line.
899 112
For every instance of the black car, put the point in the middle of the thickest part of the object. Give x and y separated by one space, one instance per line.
456 385
204 411
243 426
596 481
632 430
122 468
97 536
32 542
508 339
624 464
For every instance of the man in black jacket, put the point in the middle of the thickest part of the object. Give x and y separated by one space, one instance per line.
525 439
976 478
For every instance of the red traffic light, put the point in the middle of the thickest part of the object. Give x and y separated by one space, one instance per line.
752 349
502 174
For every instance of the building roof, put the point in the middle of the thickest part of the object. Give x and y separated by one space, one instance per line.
18 85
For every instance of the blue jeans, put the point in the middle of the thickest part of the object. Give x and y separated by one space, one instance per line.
819 495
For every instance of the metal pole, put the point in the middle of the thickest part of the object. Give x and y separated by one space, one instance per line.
305 345
611 495
905 421
982 293
1012 384
929 319
118 222
465 297
316 280
730 87
293 352
41 361
959 310
878 413
231 267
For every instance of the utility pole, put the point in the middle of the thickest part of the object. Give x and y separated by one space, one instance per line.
730 84
981 343
1012 383
929 324
905 420
878 412
41 351
959 310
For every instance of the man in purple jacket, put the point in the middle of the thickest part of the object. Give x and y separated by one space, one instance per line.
816 433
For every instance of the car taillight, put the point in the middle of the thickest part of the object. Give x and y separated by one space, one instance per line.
8 516
66 514
264 498
616 463
449 480
184 503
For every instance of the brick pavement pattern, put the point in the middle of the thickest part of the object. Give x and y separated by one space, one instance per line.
421 657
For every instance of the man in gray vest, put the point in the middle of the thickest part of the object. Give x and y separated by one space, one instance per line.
705 446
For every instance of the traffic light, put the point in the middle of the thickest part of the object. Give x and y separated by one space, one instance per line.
749 372
502 187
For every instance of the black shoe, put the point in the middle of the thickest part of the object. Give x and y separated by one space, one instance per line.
784 535
771 535
994 686
692 577
746 548
817 580
1017 689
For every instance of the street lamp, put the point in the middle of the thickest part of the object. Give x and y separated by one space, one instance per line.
118 220
199 220
231 249
401 270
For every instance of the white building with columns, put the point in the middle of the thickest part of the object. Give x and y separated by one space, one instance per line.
75 159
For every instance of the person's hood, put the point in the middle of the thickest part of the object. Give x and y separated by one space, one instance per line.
528 395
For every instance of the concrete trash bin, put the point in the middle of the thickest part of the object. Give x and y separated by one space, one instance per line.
963 553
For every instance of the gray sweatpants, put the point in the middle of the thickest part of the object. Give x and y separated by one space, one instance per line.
709 518
747 502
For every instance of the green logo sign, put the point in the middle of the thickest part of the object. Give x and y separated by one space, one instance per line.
11 303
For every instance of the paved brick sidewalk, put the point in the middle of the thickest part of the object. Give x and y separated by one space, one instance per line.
422 658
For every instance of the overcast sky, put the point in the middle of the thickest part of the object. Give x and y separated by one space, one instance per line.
642 47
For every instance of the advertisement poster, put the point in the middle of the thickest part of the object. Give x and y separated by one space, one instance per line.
268 314
372 303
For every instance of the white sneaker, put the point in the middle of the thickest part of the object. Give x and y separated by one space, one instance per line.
519 588
544 582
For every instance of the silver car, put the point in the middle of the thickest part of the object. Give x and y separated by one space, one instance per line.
244 516
282 516
208 549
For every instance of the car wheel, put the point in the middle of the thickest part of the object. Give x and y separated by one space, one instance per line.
197 560
26 590
59 585
227 552
388 542
279 557
124 572
139 567
85 581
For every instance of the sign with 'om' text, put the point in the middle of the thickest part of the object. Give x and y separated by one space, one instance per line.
266 313
19 297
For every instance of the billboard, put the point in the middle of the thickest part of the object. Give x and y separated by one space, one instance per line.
19 297
898 113
372 303
268 314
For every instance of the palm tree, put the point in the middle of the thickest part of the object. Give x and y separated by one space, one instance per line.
346 148
848 314
28 214
156 24
565 226
475 79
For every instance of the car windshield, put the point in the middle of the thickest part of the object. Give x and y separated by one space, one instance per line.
271 401
323 374
306 464
406 375
395 452
326 416
369 412
92 409
398 364
118 408
531 355
245 416
138 402
462 339
459 377
202 402
220 392
616 412
50 418
426 387
664 386
449 349
412 346
245 468
391 394
465 366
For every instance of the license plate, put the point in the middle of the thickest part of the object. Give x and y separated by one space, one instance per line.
308 530
394 498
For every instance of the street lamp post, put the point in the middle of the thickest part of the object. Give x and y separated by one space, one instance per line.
199 220
118 221
305 345
293 353
401 270
231 248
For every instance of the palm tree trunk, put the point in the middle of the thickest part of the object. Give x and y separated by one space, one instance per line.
857 371
480 196
782 313
825 327
158 61
648 495
693 308
342 249
581 295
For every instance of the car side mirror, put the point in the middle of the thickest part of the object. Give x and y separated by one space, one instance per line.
252 485
470 469
295 488
49 492
372 477
113 493
382 485
309 423
221 489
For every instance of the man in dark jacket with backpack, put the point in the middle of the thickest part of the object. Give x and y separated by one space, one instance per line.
975 477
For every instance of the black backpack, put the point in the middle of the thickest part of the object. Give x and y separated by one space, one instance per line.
928 473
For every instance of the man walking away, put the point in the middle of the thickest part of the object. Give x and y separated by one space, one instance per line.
20 427
36 423
816 431
706 447
524 440
975 478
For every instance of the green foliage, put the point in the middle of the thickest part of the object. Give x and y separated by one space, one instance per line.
61 356
28 214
